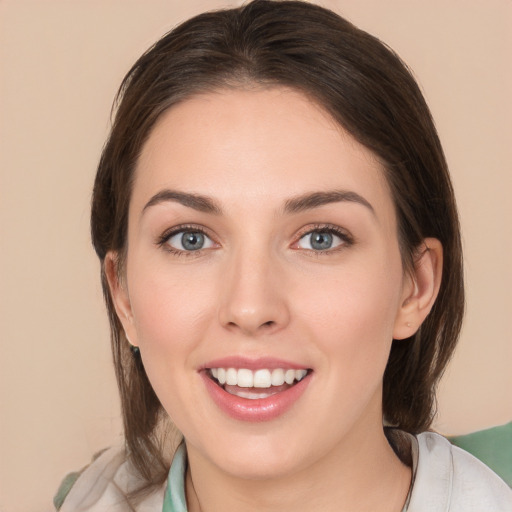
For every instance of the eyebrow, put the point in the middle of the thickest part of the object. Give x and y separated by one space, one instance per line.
197 202
317 199
297 204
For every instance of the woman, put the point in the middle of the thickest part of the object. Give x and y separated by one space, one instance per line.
282 267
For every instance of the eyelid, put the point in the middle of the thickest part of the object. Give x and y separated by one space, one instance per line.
162 239
343 234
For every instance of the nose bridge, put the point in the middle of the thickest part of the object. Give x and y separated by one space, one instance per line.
253 299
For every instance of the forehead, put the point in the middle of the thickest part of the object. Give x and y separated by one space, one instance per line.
254 145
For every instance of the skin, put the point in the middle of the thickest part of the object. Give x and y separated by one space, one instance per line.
258 289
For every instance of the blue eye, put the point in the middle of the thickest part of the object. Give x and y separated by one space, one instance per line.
189 241
320 240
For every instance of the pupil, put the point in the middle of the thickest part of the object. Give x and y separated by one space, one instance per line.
321 240
192 241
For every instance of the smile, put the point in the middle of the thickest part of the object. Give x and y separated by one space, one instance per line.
257 394
248 384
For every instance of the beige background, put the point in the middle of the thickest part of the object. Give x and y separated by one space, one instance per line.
60 65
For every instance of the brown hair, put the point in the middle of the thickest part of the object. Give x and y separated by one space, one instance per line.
369 91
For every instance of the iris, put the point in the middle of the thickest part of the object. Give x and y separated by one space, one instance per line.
192 241
321 240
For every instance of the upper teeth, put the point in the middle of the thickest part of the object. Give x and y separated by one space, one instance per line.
263 378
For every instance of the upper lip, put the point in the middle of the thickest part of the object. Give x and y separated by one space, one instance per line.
238 362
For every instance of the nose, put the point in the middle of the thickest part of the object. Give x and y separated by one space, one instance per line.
253 300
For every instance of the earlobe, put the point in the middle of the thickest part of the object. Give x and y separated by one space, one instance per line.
119 294
420 289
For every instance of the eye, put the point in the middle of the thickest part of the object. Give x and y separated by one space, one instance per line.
321 240
189 240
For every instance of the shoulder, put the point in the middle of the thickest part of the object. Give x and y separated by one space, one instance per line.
104 485
449 479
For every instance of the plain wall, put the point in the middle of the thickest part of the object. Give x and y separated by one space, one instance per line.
60 65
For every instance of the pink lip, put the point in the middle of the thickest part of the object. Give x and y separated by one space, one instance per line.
258 410
252 364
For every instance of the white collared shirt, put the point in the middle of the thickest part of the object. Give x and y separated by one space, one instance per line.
446 479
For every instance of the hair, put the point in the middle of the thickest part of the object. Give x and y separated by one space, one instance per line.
369 92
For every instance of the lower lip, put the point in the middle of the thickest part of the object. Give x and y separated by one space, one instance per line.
260 409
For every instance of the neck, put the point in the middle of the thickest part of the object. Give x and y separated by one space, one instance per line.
361 473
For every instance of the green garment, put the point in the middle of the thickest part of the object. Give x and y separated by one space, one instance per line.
174 500
445 477
492 446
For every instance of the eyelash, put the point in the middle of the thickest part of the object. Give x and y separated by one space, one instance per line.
168 234
346 238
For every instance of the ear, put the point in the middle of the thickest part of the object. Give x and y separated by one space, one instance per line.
420 290
120 296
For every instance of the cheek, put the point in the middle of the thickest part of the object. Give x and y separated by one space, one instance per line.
171 315
170 309
352 314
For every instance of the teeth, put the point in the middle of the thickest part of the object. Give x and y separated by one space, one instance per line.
289 376
262 378
231 377
300 374
245 379
277 377
251 395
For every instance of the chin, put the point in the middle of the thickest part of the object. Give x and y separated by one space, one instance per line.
258 457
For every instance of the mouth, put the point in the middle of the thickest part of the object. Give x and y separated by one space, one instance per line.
255 390
256 384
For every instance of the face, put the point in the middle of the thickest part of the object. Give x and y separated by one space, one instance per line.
263 280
